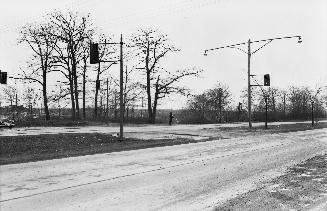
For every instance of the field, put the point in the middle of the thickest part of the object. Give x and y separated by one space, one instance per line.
26 148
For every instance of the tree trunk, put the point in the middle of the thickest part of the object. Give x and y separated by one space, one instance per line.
45 98
74 71
148 84
154 111
220 113
72 97
284 106
148 90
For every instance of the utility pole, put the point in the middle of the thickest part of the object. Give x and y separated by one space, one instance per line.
107 110
266 102
249 83
312 103
142 109
84 81
94 58
121 89
312 116
59 107
249 54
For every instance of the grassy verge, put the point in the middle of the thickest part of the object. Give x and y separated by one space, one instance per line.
27 148
20 149
304 186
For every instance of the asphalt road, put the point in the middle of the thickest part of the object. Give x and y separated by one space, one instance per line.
185 177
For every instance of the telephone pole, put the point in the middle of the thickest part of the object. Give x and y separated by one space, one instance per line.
249 83
107 111
94 58
121 89
249 54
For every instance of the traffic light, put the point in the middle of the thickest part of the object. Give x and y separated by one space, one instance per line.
97 86
94 53
266 79
3 77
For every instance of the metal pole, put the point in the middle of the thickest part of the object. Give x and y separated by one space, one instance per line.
121 136
249 83
142 109
266 123
84 81
312 117
107 111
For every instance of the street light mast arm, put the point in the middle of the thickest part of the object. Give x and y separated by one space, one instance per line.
227 46
278 38
256 41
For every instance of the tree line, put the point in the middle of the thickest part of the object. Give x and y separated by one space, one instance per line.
60 45
216 105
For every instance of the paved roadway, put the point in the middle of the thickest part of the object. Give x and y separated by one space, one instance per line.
184 177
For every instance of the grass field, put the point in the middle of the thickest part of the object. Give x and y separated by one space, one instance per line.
20 149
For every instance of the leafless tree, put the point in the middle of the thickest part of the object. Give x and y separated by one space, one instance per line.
10 93
30 97
219 98
74 33
40 39
152 47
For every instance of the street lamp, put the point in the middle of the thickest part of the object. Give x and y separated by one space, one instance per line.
249 53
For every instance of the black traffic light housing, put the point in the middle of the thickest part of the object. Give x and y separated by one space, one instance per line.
266 80
3 77
94 53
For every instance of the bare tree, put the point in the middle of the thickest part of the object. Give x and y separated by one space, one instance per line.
30 97
42 42
219 98
10 94
152 47
74 32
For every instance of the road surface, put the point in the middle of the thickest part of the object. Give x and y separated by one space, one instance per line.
184 177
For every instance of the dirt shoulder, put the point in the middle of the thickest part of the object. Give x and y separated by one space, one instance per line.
27 148
21 149
303 187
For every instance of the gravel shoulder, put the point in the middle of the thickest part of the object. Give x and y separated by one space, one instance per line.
302 187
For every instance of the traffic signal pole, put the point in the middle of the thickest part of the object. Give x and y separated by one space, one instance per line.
94 58
249 83
121 90
249 54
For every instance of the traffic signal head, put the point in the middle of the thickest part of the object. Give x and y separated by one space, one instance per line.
94 53
3 77
266 78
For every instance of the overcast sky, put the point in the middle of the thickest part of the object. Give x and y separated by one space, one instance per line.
194 26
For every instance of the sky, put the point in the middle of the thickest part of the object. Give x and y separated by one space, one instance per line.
194 26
